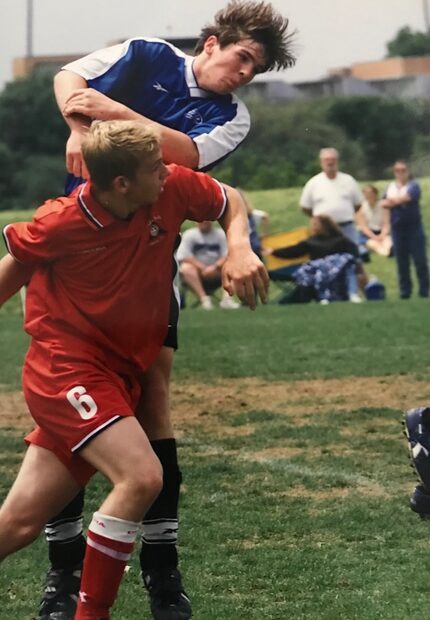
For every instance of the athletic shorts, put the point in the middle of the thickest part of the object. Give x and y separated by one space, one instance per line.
175 303
171 340
72 400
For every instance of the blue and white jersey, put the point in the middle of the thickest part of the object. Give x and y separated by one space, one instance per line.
156 80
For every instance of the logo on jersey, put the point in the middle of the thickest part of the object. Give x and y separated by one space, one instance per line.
195 116
160 88
155 231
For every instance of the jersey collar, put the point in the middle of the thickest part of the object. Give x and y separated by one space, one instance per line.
93 212
190 78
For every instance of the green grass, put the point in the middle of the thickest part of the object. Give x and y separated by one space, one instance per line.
324 532
284 515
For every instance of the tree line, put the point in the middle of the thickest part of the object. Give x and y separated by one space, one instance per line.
280 151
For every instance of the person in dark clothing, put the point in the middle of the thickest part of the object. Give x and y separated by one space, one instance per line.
326 240
402 198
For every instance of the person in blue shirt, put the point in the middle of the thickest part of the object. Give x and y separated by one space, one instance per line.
191 101
402 198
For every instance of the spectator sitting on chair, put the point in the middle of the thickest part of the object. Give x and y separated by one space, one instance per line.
326 240
201 256
373 223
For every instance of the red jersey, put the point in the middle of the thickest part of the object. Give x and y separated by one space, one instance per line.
104 284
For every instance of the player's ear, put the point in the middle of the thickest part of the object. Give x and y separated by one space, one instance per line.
121 184
210 43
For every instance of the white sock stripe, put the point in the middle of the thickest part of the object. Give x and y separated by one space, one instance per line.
63 531
117 555
114 528
160 531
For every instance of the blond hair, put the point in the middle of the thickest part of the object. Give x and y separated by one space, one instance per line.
259 21
117 148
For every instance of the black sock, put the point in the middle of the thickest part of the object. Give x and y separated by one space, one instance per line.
160 524
65 537
426 418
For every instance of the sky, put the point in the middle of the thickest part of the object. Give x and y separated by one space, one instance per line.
330 33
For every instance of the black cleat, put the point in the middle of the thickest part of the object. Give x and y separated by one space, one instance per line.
420 502
167 596
418 436
60 596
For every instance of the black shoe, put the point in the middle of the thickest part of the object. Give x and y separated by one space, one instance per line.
167 596
60 596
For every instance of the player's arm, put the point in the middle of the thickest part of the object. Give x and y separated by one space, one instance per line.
66 83
243 272
13 275
80 104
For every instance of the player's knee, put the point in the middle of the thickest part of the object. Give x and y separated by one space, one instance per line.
154 482
187 269
145 484
20 529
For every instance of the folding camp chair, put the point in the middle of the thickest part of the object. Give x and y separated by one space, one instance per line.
281 270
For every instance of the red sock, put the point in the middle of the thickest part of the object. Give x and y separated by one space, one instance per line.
110 542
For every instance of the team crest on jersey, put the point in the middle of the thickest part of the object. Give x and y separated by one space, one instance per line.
195 116
155 230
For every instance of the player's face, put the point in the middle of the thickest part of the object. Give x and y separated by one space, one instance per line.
148 182
230 67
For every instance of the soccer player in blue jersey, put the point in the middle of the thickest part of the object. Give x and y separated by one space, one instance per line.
190 100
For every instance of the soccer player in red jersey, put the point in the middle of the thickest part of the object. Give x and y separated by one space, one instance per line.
97 310
191 101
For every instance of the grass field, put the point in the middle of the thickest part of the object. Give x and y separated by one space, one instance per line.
295 501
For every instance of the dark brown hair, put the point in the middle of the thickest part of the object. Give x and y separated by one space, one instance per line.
331 229
248 19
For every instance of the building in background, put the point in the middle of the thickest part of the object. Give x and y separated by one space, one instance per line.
23 67
405 78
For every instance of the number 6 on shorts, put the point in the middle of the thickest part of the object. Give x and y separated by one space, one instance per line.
82 402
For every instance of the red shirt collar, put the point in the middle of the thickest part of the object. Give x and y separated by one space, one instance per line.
92 210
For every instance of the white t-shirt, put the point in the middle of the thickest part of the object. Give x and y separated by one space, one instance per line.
258 216
206 248
336 197
373 216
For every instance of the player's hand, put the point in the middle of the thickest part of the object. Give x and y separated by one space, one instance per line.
74 161
89 102
243 273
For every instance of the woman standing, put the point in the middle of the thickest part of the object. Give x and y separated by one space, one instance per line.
402 198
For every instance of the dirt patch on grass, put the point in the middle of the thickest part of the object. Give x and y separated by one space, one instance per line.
213 406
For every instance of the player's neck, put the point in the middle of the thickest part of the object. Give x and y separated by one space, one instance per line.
116 205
